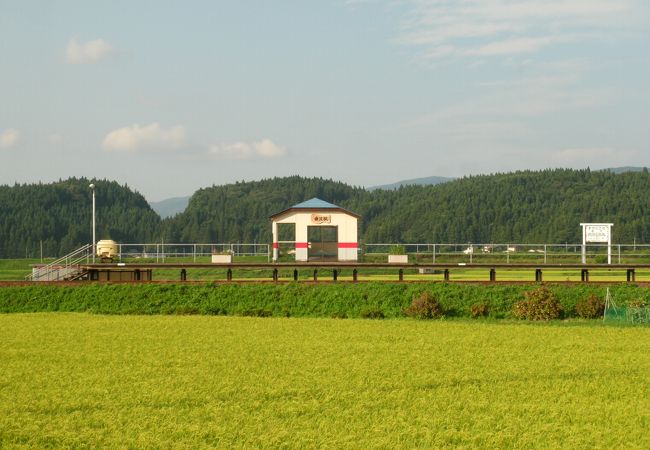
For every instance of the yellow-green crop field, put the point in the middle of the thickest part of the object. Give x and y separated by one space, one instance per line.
78 380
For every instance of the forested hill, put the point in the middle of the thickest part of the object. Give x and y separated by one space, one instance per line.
60 215
535 207
240 212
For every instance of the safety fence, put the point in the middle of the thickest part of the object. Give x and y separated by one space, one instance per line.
498 253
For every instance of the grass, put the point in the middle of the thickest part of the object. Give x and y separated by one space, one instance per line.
77 380
352 300
16 269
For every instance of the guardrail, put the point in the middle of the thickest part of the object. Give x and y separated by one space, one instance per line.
62 267
511 252
164 251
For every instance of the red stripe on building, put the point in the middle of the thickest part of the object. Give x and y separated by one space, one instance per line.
276 245
302 244
348 245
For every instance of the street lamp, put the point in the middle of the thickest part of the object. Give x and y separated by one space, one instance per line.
92 188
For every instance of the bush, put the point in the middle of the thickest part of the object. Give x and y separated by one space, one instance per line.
424 306
479 310
593 307
601 259
636 303
256 312
540 304
397 250
372 313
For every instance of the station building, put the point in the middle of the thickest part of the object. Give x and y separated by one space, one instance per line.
323 231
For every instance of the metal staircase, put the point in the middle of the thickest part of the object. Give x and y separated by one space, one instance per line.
65 268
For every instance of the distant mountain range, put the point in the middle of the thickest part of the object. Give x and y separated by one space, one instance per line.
170 206
426 181
625 169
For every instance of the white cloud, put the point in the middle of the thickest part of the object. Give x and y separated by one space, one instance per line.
554 88
267 149
244 150
9 138
452 28
148 137
513 46
87 52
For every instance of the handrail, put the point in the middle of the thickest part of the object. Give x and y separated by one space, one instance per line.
67 261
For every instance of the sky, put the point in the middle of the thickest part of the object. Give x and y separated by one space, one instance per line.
169 96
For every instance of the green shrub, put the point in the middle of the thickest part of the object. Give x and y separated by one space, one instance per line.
372 313
397 250
424 306
601 259
479 310
540 304
592 307
256 312
636 303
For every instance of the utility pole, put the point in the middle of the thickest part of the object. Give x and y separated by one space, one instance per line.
92 188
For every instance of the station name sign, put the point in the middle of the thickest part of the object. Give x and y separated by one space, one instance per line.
597 233
321 218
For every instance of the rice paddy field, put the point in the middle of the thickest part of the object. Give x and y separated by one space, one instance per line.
75 380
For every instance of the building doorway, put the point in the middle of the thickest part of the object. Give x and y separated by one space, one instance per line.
323 242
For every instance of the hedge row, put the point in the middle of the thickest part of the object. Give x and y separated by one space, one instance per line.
299 299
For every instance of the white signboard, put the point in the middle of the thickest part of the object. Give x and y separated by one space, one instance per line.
597 233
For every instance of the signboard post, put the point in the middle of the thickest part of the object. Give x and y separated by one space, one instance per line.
593 233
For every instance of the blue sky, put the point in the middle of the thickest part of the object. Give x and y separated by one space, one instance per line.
169 97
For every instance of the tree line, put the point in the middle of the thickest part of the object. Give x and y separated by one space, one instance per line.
526 206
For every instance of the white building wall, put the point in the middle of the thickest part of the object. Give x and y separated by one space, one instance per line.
347 232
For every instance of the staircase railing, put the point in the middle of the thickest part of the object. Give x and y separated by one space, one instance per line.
63 267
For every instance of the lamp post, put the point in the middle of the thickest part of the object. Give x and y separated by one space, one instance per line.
92 188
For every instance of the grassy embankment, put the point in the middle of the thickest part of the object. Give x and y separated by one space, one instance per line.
75 380
293 299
